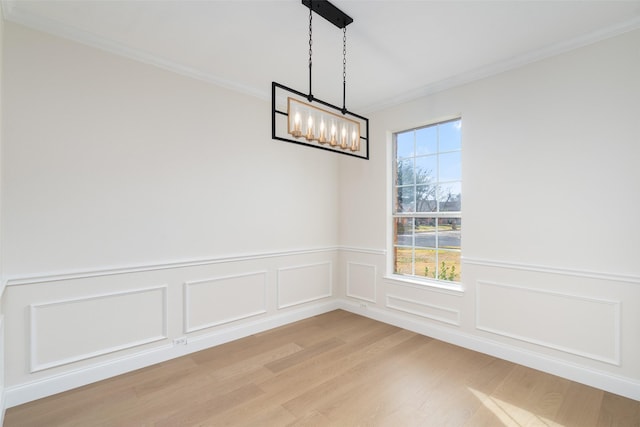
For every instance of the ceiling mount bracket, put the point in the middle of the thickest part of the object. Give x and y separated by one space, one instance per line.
329 12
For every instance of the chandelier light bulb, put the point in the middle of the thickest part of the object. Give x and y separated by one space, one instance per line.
323 137
343 138
354 141
333 142
297 125
309 136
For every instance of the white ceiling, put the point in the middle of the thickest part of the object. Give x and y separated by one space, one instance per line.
396 50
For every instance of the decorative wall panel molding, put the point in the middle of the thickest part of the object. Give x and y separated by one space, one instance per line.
367 251
428 311
361 281
126 269
453 289
586 327
552 270
71 330
304 283
220 300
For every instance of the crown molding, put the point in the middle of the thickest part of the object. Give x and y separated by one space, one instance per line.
39 23
11 13
507 65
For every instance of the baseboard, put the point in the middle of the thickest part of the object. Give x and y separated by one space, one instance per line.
591 377
3 407
23 393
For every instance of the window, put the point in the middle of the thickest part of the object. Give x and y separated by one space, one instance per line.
427 218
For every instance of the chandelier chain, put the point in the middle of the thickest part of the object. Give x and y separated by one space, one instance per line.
344 70
310 50
344 55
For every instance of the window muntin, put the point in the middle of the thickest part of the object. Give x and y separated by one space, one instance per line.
427 219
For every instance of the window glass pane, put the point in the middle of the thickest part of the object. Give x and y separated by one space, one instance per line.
449 265
404 144
449 167
426 140
425 232
404 231
405 172
403 260
403 256
449 134
406 199
426 263
426 198
437 264
449 233
426 169
450 197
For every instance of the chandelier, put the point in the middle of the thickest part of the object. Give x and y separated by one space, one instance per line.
304 119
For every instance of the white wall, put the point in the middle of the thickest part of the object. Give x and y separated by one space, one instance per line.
550 217
140 206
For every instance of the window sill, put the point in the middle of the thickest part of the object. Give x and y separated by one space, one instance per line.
456 288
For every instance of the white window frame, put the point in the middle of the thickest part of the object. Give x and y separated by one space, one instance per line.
392 215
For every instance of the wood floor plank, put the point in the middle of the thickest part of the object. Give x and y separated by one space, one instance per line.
452 396
198 412
335 389
221 356
618 411
431 383
335 369
272 416
258 362
302 377
580 406
393 394
304 354
530 396
312 419
333 363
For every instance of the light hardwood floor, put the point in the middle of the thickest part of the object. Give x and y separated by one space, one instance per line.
336 369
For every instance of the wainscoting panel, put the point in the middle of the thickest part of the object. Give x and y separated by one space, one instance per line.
361 281
422 309
583 326
220 300
71 330
304 283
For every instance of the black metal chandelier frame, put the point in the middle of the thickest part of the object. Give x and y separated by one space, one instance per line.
358 145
